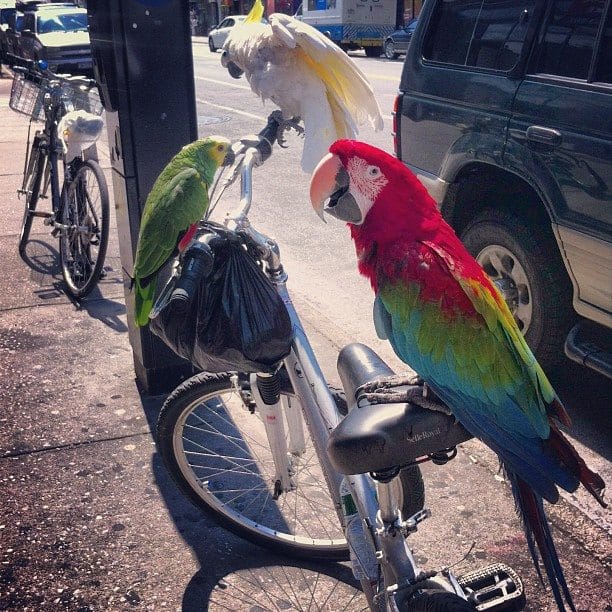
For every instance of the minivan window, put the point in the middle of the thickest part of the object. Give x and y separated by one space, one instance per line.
604 62
568 38
481 33
6 14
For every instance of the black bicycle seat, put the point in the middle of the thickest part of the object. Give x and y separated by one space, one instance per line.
381 437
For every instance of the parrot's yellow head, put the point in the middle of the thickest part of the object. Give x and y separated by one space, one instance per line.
216 148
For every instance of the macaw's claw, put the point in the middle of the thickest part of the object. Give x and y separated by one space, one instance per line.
389 382
387 389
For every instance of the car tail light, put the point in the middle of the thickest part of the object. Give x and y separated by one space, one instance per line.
396 108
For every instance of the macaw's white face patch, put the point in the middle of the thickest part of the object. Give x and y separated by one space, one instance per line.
367 181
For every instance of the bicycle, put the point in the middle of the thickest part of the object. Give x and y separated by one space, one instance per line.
288 463
80 210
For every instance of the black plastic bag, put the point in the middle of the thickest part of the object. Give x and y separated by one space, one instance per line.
236 319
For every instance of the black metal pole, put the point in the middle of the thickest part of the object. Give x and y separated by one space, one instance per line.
144 66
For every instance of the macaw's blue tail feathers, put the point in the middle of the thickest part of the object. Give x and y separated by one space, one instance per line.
539 539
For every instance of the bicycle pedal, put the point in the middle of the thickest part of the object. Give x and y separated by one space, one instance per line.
496 588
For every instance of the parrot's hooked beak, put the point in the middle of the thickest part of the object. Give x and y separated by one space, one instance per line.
232 68
330 182
230 157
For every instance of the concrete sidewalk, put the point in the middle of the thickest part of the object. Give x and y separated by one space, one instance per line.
89 519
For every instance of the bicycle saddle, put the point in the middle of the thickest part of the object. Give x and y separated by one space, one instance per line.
381 437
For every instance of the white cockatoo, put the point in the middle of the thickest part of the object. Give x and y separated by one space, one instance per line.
77 131
306 75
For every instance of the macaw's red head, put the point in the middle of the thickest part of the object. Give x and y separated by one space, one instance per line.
373 191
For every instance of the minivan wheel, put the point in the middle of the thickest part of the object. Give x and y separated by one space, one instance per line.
390 50
211 45
526 267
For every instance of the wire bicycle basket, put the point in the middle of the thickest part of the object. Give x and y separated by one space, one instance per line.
28 95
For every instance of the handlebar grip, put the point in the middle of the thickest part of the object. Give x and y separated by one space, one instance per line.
197 263
268 136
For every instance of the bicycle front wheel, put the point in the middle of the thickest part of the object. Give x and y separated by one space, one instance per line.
213 442
31 186
84 239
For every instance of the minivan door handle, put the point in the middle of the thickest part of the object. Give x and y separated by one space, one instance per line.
544 135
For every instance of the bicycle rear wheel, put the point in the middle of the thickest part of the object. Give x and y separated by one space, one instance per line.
214 445
83 244
31 186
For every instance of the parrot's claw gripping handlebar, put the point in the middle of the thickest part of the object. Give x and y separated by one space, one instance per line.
252 151
274 132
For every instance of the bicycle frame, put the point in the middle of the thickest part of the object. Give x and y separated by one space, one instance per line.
377 502
48 141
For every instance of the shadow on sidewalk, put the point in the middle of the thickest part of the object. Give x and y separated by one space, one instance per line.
236 574
43 260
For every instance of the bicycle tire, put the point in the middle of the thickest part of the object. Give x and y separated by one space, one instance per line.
413 491
235 489
438 601
86 207
31 186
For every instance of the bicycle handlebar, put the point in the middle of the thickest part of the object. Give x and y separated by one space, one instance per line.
197 264
197 260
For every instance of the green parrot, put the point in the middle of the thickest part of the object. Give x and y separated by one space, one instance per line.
175 205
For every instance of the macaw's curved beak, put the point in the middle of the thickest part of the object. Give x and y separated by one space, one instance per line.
330 183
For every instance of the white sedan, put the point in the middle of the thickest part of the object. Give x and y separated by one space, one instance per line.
218 34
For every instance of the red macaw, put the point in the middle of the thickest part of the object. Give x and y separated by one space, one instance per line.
447 320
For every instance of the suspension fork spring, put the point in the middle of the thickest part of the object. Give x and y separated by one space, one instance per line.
269 387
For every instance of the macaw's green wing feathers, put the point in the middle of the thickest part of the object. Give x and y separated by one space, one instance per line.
490 304
479 367
170 210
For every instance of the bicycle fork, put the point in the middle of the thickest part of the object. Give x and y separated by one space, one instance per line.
276 410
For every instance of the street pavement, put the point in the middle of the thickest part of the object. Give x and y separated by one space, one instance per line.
89 519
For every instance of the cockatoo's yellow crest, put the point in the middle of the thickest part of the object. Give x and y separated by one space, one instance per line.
256 12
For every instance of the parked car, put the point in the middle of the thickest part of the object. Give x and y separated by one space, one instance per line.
218 34
7 14
57 33
505 114
396 44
